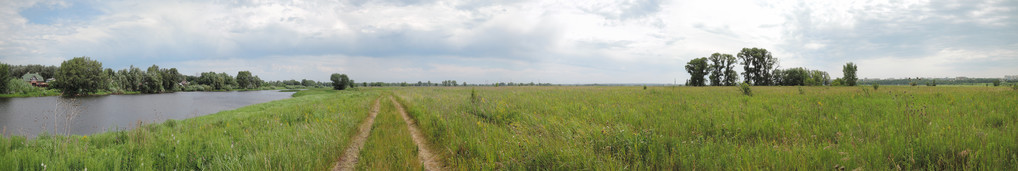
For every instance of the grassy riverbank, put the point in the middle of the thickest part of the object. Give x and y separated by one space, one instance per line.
719 128
303 133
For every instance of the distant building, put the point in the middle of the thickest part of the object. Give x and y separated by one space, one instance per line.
1011 77
35 79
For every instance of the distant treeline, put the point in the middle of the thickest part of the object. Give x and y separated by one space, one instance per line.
935 81
760 69
82 76
446 83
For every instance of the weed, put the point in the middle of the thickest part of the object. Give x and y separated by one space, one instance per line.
745 89
876 86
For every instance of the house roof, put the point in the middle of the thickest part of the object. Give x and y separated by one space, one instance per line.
29 76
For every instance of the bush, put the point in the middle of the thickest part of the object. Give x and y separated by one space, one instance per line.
876 86
18 86
1014 87
745 89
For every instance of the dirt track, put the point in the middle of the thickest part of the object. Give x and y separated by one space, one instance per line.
423 153
349 158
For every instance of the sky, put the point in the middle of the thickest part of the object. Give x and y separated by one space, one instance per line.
485 41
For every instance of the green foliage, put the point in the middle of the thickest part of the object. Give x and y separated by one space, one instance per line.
19 70
171 79
79 76
18 86
153 83
876 86
849 74
722 70
744 87
838 82
217 81
245 80
4 76
697 69
800 77
996 82
757 65
340 81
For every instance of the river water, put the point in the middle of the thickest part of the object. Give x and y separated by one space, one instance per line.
88 115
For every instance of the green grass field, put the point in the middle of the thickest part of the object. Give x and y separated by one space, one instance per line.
571 128
779 128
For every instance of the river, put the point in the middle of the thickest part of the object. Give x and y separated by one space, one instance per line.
95 114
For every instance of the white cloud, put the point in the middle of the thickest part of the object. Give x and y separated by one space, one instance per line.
553 41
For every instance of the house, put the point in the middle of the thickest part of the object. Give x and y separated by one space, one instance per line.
35 79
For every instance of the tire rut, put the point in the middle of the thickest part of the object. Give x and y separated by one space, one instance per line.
349 158
428 159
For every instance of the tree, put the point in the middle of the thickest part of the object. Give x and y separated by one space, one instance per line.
722 70
79 76
340 81
153 81
838 82
245 80
757 63
171 77
4 77
346 80
800 77
228 81
697 68
135 76
849 71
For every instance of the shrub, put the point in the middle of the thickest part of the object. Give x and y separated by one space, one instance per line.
745 89
1014 87
876 86
18 86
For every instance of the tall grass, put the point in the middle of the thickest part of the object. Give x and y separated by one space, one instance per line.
303 133
390 146
778 128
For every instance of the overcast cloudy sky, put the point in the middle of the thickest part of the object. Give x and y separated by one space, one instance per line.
589 41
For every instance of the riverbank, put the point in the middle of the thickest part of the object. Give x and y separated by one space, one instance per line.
53 92
268 136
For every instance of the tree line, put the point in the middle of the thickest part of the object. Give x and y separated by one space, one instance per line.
83 76
759 69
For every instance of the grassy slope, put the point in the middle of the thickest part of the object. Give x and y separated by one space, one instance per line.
389 147
303 133
781 128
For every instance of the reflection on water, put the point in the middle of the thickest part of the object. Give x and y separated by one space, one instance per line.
88 115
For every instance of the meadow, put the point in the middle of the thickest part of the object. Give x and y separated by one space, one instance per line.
306 132
570 128
778 128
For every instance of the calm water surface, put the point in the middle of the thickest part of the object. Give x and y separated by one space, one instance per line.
88 115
